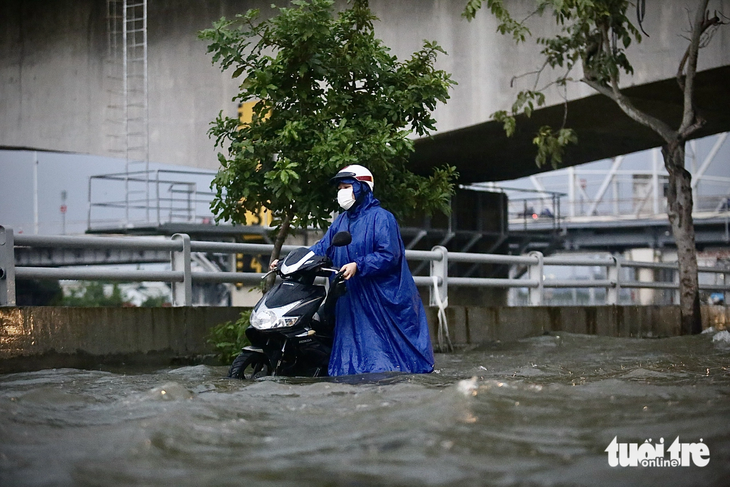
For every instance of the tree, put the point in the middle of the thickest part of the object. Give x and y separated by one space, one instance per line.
91 294
328 94
155 302
596 34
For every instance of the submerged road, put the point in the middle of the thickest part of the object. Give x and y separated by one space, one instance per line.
540 411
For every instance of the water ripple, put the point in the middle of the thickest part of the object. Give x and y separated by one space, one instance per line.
539 412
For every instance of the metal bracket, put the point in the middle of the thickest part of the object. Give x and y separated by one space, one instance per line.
613 294
7 267
182 292
536 274
439 269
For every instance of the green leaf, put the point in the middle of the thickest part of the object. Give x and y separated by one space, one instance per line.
229 338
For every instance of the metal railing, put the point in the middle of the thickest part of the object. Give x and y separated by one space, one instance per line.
526 212
181 276
174 196
623 188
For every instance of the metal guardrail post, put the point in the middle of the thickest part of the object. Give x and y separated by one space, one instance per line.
440 269
511 292
182 292
677 294
613 272
88 205
7 267
536 273
157 194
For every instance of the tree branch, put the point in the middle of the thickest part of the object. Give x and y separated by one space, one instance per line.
658 126
688 118
537 72
278 243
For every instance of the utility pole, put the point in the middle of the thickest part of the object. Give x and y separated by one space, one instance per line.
36 221
63 212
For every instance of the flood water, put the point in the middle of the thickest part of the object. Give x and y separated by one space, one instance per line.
538 412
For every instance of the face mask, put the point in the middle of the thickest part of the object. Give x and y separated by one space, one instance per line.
345 198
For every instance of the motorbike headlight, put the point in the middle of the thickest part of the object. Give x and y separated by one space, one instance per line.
263 319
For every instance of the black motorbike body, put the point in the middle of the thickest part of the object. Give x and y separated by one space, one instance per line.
292 325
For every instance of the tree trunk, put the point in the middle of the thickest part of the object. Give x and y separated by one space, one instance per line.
276 253
679 200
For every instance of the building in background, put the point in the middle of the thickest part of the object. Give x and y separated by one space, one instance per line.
108 102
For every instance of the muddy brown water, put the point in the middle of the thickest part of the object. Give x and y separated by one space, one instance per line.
537 412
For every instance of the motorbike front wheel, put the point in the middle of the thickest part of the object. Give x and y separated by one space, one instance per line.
250 365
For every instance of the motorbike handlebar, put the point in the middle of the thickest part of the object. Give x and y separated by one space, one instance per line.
272 271
325 269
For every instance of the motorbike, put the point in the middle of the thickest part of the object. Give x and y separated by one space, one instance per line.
292 326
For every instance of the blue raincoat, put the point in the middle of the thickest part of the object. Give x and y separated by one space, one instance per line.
380 323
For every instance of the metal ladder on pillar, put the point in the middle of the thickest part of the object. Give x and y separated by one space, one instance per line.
115 116
128 108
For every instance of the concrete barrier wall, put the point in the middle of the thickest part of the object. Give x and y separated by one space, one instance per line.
34 338
473 325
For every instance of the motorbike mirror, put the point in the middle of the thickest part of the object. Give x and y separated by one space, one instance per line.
341 239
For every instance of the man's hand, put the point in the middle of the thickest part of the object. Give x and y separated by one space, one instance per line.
348 270
273 264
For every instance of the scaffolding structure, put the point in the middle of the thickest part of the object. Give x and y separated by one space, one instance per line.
127 120
618 190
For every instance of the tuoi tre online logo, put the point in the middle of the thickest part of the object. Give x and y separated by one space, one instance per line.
650 454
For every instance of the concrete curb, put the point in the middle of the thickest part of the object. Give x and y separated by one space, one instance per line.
34 338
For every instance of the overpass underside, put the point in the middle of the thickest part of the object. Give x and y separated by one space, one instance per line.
483 152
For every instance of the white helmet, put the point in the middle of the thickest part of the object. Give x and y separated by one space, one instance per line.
357 172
